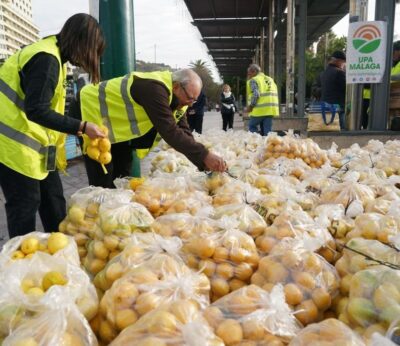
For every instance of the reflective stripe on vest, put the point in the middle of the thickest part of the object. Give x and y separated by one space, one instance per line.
104 110
12 95
21 138
23 143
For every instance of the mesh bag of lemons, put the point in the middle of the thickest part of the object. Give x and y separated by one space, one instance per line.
292 148
227 257
375 226
40 284
159 280
61 326
250 314
374 300
179 322
119 219
330 332
249 221
233 193
142 247
83 217
25 247
297 224
310 282
158 194
99 149
347 193
360 254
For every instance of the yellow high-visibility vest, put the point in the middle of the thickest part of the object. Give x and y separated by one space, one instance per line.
110 103
395 70
23 143
268 102
366 94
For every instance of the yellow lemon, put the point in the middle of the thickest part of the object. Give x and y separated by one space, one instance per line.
76 215
104 144
35 291
94 142
29 245
53 278
56 242
104 158
17 255
27 284
93 152
134 183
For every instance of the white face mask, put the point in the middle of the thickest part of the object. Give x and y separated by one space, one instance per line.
227 94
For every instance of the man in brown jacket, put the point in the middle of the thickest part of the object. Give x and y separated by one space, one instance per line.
155 99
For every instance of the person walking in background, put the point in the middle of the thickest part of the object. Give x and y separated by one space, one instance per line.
32 125
155 110
365 105
333 86
227 107
262 100
195 113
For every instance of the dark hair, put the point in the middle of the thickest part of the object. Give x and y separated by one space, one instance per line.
82 43
396 45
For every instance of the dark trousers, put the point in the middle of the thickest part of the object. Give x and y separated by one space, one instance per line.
195 122
364 114
25 196
119 167
227 120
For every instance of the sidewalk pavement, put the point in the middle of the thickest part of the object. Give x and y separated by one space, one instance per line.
77 179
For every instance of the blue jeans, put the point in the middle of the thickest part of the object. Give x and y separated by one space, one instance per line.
265 123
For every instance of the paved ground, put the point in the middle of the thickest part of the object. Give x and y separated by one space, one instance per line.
77 178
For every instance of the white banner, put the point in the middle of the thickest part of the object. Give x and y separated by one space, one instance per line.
366 52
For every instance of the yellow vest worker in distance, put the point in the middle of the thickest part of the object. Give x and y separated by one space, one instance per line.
139 109
395 72
32 125
262 100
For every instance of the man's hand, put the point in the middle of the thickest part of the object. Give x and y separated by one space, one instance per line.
215 163
91 130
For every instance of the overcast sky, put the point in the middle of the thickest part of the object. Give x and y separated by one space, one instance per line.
163 35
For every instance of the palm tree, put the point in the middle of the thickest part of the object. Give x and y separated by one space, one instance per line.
211 89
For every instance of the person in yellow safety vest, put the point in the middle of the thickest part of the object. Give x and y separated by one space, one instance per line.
395 72
262 100
32 125
139 109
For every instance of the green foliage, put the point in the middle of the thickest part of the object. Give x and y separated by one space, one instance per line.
211 89
143 66
316 62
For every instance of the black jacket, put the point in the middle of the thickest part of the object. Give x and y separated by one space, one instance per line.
198 107
333 85
229 101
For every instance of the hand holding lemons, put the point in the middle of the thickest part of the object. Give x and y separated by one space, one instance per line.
99 149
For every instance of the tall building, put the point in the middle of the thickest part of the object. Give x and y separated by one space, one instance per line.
16 27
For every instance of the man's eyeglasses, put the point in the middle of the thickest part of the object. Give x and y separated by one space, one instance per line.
190 98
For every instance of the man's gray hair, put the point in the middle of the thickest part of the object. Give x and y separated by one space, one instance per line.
186 76
254 68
